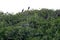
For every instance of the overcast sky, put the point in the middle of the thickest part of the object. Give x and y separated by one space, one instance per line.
18 5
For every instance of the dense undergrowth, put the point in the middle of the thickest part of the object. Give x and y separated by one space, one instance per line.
41 24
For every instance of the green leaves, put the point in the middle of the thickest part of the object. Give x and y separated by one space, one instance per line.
41 24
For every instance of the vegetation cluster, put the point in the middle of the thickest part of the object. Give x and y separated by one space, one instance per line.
41 24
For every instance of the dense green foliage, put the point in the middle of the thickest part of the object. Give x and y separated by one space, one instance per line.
41 24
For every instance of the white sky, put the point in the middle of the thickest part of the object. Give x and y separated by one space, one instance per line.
18 5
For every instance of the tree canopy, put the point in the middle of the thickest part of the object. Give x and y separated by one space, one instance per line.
41 24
